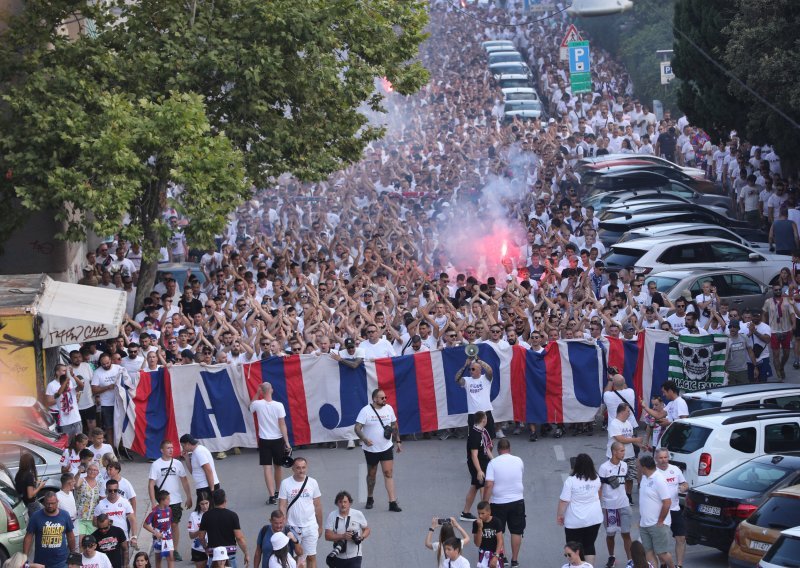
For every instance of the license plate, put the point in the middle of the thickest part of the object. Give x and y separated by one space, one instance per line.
708 509
758 545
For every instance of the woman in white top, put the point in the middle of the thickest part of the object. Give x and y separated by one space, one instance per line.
579 509
446 532
573 552
280 552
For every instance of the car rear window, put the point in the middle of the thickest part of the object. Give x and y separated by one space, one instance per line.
695 404
753 476
785 552
621 256
683 438
780 512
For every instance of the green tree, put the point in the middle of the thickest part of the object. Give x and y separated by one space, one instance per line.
762 51
100 126
703 93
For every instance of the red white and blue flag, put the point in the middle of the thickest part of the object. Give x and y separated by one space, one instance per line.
322 397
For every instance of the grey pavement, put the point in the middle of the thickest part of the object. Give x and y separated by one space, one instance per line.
432 479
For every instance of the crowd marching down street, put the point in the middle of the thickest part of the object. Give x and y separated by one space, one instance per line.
460 227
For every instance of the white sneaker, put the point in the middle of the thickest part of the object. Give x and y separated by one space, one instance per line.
351 445
499 434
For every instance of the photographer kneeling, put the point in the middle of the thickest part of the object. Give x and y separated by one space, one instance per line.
347 529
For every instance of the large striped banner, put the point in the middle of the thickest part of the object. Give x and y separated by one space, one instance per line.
322 397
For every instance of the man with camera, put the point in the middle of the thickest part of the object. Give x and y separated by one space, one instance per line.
376 427
616 508
347 529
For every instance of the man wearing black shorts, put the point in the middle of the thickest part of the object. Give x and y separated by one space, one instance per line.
479 452
504 490
273 438
376 427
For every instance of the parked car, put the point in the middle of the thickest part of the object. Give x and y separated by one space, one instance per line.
505 57
522 109
634 159
741 236
714 441
603 200
651 256
757 533
514 80
512 67
714 510
28 409
595 174
24 431
13 516
739 289
180 271
779 395
785 552
609 232
47 460
657 205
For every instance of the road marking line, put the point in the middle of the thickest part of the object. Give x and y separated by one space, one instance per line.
559 450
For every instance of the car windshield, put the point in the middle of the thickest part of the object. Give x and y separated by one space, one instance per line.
624 257
700 404
785 552
663 283
779 512
683 438
511 83
753 476
523 105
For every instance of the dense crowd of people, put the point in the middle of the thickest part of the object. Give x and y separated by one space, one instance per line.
457 227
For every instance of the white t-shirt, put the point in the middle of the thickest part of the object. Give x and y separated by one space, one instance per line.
71 457
357 523
66 404
268 413
118 512
373 430
614 498
275 563
677 322
200 457
674 477
103 378
382 348
676 408
652 492
160 469
302 513
125 489
506 471
581 565
85 372
583 496
99 453
478 393
612 402
194 526
618 428
66 502
99 560
443 560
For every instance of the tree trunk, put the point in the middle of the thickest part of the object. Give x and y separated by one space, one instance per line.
151 207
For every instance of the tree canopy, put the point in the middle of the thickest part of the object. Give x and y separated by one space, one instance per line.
756 42
208 96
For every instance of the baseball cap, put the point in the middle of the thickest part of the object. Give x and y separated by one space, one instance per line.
88 540
349 343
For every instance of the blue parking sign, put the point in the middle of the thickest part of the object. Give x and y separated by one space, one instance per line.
579 57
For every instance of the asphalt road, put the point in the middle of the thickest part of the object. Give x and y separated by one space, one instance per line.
432 480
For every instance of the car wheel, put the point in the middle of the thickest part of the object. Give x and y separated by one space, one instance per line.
3 556
691 541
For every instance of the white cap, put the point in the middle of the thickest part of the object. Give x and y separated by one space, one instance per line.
220 553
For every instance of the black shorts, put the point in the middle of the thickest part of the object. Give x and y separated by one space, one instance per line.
473 473
271 451
89 414
177 512
374 458
205 490
511 514
677 523
107 414
585 535
199 556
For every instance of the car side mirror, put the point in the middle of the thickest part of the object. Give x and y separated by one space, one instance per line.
755 256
